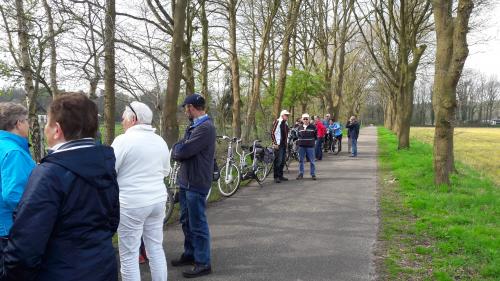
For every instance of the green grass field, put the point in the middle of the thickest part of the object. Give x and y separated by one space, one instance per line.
435 233
476 147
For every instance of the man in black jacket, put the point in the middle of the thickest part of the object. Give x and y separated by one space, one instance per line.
308 135
279 137
69 211
353 133
196 153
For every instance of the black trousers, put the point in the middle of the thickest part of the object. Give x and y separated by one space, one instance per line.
279 161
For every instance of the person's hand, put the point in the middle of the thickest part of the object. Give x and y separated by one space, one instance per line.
276 147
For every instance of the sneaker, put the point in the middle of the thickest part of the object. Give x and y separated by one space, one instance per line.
182 261
283 179
313 177
197 271
277 180
300 176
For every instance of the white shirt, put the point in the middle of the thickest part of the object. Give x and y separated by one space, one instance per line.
142 162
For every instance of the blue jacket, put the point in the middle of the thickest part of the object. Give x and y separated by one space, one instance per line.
196 154
16 165
66 219
337 129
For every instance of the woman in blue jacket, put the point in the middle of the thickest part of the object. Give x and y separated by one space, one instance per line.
15 162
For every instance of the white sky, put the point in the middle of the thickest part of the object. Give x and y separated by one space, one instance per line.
484 55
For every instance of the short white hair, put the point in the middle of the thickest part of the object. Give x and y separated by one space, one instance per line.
143 112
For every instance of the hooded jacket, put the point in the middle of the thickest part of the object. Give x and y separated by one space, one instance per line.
65 221
16 165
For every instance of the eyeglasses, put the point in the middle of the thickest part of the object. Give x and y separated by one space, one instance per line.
305 118
131 108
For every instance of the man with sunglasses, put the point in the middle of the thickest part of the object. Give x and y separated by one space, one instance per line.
196 153
142 162
307 134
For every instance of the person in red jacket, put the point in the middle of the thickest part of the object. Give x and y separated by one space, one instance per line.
321 137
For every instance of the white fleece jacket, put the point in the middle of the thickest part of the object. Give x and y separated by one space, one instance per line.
142 162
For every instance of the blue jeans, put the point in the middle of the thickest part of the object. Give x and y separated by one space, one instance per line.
319 148
354 147
309 151
195 226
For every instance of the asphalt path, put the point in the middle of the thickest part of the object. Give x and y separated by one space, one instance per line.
295 230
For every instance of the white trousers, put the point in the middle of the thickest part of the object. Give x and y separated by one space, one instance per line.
145 222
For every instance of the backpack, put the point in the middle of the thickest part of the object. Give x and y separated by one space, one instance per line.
268 155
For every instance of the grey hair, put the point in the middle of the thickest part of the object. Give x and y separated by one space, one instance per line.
10 113
144 113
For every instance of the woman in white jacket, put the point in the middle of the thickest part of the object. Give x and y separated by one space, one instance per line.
142 162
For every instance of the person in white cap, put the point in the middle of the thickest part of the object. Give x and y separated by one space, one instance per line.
307 136
279 136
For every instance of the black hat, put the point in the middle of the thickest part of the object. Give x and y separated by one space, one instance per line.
194 99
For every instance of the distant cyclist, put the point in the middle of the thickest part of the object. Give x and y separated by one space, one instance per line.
337 134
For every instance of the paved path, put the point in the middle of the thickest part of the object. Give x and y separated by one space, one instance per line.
297 230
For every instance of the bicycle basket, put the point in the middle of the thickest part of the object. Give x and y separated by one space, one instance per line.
268 155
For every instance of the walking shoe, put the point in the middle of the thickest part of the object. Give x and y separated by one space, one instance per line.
182 261
283 179
300 176
197 271
313 177
277 180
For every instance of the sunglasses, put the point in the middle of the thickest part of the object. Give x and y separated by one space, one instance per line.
305 118
131 108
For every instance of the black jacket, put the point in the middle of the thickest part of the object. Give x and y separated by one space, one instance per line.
307 136
196 153
65 221
353 129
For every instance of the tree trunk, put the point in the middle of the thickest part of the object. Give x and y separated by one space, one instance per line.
188 61
293 11
109 72
451 53
204 57
26 70
53 53
347 8
252 106
235 70
170 123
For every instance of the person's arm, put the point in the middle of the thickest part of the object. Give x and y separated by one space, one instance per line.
15 172
34 221
192 146
120 152
273 132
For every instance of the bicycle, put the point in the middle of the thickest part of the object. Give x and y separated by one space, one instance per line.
232 172
292 153
173 191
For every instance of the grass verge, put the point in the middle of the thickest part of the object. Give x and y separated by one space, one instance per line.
435 233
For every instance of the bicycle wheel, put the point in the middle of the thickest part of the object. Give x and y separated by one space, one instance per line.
263 170
170 205
229 180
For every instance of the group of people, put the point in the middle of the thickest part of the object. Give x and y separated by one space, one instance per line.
58 218
310 139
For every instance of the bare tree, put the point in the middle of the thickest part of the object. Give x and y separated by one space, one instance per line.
170 124
109 72
451 53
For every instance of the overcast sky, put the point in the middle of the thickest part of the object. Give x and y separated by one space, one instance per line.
484 55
